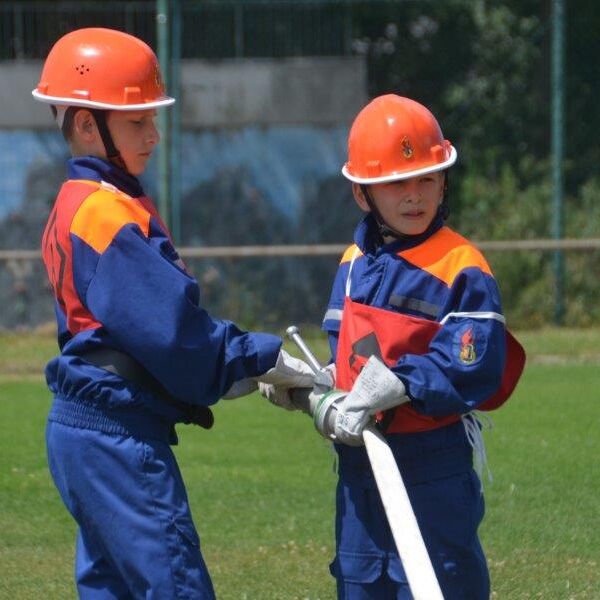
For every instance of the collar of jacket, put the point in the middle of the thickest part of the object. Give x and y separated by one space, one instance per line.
93 168
367 238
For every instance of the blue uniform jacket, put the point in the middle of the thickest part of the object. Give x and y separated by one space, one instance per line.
119 282
455 289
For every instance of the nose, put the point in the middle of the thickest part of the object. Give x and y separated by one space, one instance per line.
411 190
153 134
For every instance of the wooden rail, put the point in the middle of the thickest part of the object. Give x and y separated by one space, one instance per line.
543 245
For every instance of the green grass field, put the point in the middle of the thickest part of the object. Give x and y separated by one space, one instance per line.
261 485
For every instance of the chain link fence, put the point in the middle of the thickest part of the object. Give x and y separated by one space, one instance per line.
213 28
483 67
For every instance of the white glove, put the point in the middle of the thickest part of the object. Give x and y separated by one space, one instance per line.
299 398
240 388
288 372
325 379
279 396
375 389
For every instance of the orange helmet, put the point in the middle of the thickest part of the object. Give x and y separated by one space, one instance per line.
104 69
395 138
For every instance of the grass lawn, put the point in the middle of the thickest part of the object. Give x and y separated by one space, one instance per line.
261 485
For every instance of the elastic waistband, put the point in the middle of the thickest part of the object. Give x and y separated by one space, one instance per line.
131 423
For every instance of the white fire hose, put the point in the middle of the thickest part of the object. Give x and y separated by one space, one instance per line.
400 515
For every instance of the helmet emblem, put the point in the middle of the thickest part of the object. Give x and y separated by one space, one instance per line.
407 149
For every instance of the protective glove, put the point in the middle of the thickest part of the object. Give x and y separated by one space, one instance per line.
342 416
240 388
280 396
325 379
298 398
288 372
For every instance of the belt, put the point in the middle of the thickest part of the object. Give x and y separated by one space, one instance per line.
124 366
75 413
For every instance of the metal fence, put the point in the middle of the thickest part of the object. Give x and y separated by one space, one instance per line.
213 28
216 29
281 250
288 283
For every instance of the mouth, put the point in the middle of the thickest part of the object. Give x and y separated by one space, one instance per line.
413 214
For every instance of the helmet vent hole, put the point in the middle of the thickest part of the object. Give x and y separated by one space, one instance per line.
82 69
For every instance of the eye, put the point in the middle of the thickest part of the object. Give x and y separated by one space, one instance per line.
394 185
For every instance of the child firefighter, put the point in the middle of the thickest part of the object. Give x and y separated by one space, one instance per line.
415 305
138 353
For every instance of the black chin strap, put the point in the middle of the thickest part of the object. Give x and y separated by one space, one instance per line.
445 206
384 229
112 153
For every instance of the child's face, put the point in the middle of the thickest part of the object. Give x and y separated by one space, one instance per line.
135 136
409 205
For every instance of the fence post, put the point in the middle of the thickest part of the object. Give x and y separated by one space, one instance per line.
175 120
164 148
19 42
557 153
239 29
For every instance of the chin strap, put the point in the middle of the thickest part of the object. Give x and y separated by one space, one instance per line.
386 230
445 206
112 153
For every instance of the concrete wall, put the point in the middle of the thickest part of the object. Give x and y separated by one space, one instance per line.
225 93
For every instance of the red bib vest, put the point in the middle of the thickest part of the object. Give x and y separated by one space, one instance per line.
367 330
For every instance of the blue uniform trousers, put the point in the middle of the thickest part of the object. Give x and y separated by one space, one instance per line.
446 497
136 535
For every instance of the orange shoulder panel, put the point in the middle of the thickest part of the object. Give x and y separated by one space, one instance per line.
445 254
102 215
91 182
349 253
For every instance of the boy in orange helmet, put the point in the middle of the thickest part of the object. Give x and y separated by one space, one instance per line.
413 299
138 352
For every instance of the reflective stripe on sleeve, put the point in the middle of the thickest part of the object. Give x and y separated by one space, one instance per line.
333 314
474 315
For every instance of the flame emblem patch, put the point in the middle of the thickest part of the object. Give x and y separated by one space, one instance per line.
467 355
469 344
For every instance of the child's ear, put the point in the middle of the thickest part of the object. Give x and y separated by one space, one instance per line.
360 197
85 125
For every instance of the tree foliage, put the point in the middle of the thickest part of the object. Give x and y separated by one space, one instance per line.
484 69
